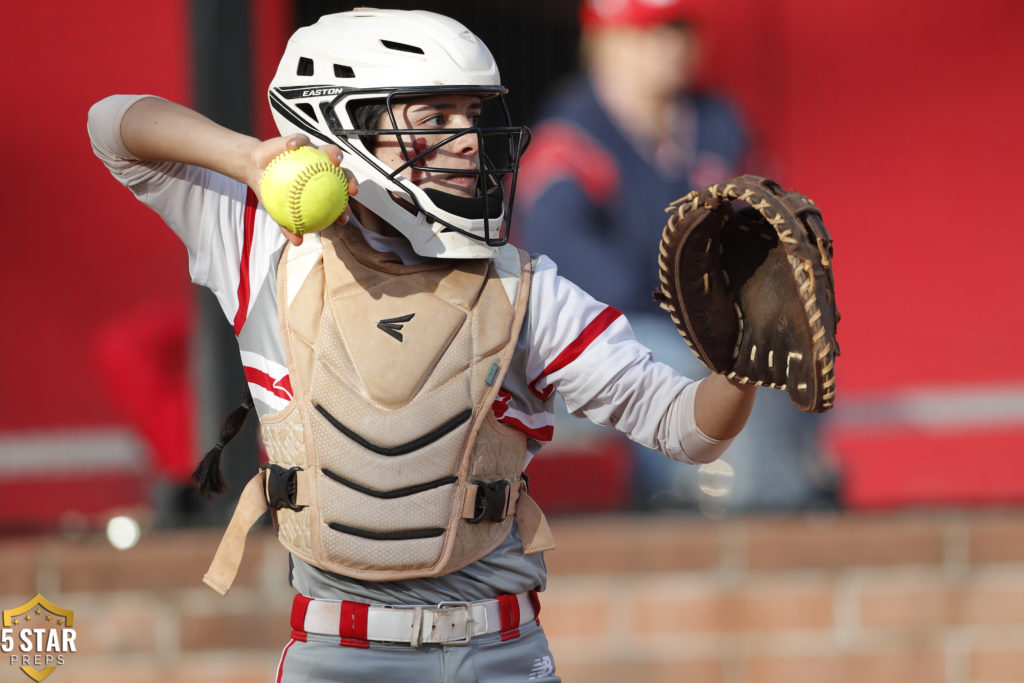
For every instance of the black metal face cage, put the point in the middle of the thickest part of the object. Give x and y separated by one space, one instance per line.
501 147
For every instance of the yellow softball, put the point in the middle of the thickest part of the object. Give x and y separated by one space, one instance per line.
303 191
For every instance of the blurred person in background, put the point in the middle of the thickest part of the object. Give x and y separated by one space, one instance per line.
627 135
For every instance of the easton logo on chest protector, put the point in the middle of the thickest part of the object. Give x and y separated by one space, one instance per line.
393 326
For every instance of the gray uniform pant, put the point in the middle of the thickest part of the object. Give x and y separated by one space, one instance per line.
486 659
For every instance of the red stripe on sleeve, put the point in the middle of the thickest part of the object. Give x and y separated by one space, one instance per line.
561 150
571 352
243 271
282 388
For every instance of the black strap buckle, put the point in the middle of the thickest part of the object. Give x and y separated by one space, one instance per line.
281 486
492 501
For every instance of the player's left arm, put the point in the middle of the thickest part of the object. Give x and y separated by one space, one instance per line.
587 352
722 406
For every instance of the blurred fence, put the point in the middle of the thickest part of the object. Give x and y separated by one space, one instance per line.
914 597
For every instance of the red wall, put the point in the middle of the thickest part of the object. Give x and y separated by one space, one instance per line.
901 119
81 251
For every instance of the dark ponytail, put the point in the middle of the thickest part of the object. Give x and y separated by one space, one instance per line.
207 477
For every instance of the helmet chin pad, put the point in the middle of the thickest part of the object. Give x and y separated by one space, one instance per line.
489 206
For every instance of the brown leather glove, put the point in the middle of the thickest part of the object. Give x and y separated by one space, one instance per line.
746 274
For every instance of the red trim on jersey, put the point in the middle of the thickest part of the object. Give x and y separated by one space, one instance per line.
545 433
352 624
282 388
500 405
500 410
571 352
561 150
243 270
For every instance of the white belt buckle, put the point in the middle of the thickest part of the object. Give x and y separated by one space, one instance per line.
451 604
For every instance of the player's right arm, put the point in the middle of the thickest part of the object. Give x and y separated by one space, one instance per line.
154 129
205 208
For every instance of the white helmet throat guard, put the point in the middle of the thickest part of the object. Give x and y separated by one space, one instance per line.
337 67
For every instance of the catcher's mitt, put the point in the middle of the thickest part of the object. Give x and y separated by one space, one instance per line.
746 274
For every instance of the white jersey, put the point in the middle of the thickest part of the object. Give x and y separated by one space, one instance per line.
570 344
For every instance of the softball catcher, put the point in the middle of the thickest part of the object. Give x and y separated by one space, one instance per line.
403 362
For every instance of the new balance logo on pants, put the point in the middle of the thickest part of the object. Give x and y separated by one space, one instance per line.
542 667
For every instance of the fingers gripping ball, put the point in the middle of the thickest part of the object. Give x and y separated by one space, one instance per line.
303 191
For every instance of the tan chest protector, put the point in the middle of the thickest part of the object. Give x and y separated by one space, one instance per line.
388 463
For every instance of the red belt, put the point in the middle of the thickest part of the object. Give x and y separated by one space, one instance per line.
356 624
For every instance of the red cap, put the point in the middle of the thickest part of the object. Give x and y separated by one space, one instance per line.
639 13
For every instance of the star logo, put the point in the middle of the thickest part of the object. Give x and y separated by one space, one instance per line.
44 639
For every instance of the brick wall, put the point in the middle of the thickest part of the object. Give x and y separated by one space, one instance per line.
918 597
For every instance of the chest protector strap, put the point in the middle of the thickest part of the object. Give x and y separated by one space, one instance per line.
389 464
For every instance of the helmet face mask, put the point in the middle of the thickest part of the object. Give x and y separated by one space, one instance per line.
320 88
499 146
